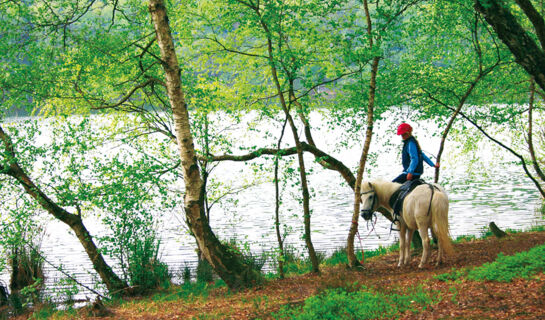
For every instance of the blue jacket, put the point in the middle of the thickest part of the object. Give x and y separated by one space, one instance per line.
412 157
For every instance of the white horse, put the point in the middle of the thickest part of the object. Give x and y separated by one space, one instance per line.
416 214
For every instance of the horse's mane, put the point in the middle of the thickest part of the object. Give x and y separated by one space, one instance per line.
384 188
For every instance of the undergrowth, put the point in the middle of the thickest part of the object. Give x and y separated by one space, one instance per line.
365 303
341 299
504 269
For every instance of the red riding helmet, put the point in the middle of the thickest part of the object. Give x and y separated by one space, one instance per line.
404 128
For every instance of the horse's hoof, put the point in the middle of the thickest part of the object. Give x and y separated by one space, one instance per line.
420 266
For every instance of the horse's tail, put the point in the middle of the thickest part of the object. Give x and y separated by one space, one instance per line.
439 221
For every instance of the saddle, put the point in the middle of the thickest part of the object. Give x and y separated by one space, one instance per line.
396 201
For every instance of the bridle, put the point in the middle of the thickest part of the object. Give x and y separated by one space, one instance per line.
367 214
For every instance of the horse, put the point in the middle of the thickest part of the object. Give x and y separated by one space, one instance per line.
424 208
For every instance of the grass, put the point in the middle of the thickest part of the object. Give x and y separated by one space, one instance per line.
504 269
339 256
365 303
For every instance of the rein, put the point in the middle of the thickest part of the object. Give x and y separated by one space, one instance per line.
360 239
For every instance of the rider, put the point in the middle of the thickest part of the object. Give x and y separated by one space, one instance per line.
412 155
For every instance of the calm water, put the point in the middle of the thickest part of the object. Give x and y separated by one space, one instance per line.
509 199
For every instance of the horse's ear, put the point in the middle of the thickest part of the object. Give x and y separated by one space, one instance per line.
371 186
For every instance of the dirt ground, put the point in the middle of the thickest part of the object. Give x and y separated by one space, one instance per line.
520 299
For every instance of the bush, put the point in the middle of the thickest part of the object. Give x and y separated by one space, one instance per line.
27 275
256 262
205 273
145 272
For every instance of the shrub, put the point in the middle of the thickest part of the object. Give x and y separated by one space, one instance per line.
186 274
256 262
145 272
27 271
205 273
27 275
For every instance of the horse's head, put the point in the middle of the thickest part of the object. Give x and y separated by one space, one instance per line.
369 200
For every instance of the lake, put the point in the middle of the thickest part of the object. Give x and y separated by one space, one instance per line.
483 186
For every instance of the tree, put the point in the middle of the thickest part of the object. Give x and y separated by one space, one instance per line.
522 44
10 166
225 262
352 261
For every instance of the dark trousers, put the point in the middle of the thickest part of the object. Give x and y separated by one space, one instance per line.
402 178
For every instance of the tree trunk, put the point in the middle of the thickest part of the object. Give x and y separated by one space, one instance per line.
298 145
110 279
303 175
352 261
499 233
277 207
451 121
527 53
531 149
227 264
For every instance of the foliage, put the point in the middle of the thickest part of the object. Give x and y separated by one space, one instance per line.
339 255
205 273
31 294
506 268
454 274
121 187
256 262
362 304
66 290
48 311
145 271
295 263
27 275
57 60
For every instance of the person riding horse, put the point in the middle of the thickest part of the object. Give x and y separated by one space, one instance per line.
412 155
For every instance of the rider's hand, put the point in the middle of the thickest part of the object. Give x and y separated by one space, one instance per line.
437 165
409 176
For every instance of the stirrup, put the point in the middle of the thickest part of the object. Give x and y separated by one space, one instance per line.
396 218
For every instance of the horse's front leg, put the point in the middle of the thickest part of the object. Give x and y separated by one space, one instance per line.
410 234
402 244
425 246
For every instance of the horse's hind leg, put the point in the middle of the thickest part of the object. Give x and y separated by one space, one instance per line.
440 253
402 244
425 246
410 234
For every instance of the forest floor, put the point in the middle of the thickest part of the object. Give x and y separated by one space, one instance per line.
462 299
